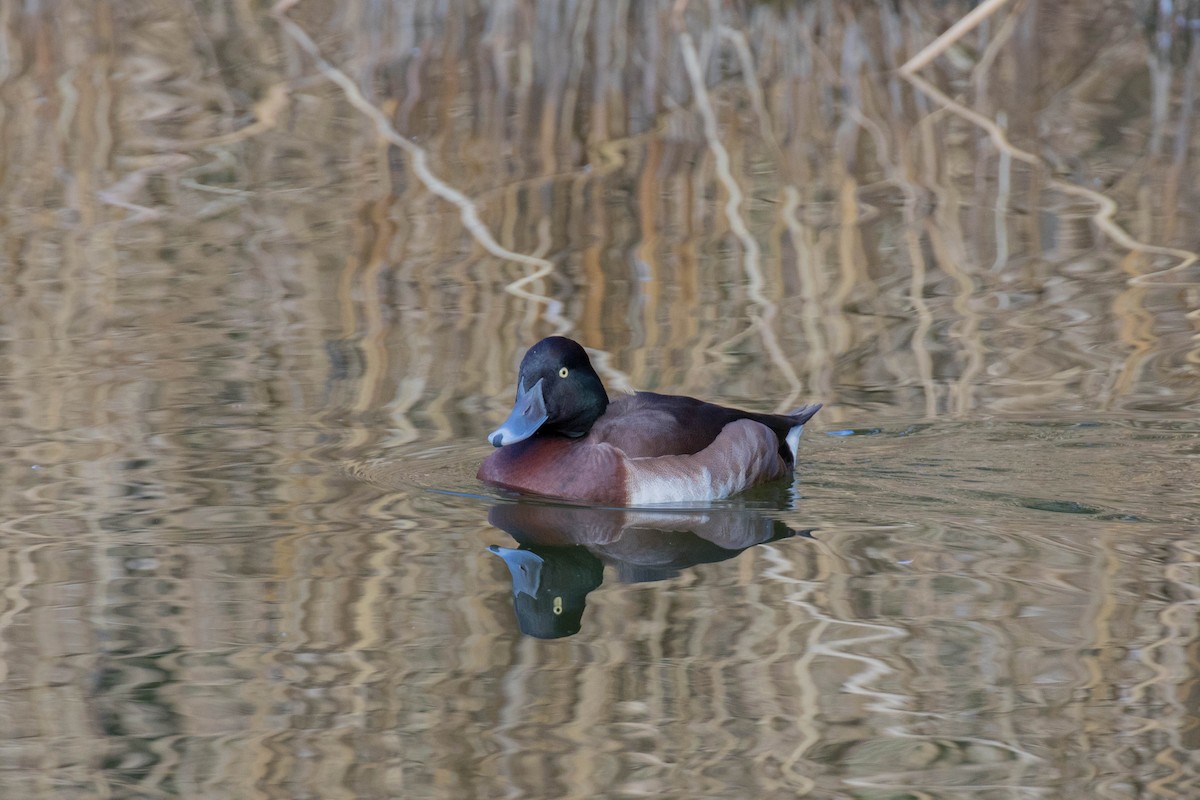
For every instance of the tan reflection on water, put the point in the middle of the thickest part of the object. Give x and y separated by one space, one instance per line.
243 339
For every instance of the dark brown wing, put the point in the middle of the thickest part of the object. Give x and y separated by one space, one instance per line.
650 425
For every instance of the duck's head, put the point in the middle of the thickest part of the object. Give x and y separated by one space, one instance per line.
557 392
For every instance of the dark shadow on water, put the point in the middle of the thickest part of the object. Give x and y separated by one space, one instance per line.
562 552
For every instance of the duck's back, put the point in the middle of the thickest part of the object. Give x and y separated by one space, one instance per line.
648 425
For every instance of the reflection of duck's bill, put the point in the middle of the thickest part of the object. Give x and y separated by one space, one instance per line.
525 567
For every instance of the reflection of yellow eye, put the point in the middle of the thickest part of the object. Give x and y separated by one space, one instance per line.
562 373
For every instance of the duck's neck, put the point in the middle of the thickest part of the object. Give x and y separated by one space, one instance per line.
590 407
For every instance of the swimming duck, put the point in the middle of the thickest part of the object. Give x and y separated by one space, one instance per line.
566 439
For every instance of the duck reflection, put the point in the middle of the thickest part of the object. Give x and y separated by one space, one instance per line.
562 552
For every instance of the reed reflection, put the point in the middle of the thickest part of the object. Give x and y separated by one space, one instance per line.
562 552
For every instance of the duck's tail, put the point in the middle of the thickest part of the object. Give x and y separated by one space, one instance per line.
799 417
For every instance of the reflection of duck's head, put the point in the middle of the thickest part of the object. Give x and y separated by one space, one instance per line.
550 587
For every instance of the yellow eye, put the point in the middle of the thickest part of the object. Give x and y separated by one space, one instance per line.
558 608
562 373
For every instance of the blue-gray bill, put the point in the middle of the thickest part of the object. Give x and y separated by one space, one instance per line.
528 414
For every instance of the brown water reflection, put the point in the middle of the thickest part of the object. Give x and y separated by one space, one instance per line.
250 351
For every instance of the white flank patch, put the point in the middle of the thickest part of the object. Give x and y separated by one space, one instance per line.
650 489
744 453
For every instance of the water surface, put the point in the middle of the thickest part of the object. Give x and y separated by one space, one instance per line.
250 352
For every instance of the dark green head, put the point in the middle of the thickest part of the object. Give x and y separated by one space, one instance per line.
557 392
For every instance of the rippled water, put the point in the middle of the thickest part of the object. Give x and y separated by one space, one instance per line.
250 351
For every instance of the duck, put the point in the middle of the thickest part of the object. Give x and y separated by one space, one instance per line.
565 439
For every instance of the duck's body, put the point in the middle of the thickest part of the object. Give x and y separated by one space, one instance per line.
565 439
651 448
